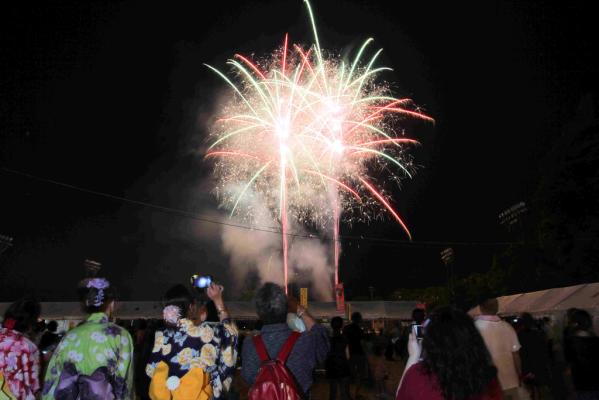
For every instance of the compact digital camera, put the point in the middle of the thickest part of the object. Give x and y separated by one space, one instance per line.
201 281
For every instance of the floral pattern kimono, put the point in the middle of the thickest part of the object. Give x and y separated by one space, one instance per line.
193 362
93 361
19 365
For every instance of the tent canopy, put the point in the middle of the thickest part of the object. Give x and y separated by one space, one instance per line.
238 309
550 301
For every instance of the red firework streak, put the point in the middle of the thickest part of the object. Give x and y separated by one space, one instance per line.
319 119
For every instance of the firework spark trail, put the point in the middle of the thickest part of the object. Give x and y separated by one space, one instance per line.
336 244
311 136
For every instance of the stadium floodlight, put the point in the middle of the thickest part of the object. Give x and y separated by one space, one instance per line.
91 268
512 215
447 256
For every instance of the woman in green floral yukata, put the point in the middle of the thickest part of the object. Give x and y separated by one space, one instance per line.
94 360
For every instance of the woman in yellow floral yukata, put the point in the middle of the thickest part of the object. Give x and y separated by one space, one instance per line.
192 361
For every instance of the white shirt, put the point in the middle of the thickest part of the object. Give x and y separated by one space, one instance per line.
295 323
501 341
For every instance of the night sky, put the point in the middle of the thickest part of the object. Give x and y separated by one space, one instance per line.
113 97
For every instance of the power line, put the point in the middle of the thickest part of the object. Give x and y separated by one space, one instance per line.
199 217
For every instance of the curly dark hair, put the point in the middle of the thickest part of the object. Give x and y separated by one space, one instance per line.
455 354
271 303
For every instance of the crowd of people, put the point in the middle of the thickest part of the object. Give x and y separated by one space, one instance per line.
196 351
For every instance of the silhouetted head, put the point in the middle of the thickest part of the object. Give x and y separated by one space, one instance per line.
178 303
271 304
418 315
22 315
581 320
336 324
356 317
489 306
527 321
52 326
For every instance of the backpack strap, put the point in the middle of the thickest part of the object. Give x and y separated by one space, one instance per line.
260 348
288 346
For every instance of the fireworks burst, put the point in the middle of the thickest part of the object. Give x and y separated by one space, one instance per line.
311 136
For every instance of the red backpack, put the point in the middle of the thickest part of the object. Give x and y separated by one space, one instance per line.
274 380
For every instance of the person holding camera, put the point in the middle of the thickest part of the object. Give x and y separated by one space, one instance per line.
451 361
296 353
193 357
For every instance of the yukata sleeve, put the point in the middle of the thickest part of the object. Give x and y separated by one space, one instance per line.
31 369
159 350
54 370
222 375
124 371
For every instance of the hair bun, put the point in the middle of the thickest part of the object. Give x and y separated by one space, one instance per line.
95 292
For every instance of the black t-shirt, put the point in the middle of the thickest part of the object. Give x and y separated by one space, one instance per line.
337 364
354 335
535 356
582 352
49 341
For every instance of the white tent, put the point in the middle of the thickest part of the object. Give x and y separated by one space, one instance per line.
586 297
550 301
238 309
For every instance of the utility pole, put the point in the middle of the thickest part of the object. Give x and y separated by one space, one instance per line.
522 253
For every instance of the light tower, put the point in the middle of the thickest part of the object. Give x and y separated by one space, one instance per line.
511 216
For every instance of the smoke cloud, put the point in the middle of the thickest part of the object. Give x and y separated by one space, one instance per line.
254 251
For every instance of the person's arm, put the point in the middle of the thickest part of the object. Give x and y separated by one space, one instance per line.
228 334
53 371
215 293
517 362
306 317
222 376
321 337
414 351
31 372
